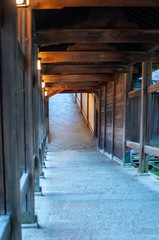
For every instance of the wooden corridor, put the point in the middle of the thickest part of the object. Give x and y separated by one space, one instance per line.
104 53
85 194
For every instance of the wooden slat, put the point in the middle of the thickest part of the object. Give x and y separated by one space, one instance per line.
56 4
133 145
78 78
50 69
153 88
134 93
96 36
96 56
151 150
21 57
79 91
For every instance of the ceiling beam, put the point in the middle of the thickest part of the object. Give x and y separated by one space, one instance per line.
81 88
97 56
82 78
58 4
51 69
96 36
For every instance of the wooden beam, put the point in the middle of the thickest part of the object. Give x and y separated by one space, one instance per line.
88 109
153 88
113 120
51 69
78 78
81 88
54 93
96 56
134 93
151 151
96 36
133 145
50 4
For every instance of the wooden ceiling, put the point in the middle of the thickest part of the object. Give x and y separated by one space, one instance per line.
85 43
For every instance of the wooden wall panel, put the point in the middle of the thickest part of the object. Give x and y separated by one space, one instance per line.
119 116
109 108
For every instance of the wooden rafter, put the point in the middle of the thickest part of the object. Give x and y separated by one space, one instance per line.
96 36
58 88
97 56
54 93
56 4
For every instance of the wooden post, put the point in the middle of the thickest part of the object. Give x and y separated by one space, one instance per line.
146 79
75 97
29 215
113 120
88 109
128 82
99 119
105 92
81 102
9 102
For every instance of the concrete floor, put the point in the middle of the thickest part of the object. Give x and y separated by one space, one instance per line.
87 196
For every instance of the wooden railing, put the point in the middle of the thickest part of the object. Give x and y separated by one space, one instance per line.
152 88
147 149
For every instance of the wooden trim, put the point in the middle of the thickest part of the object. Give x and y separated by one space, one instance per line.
153 88
49 4
21 57
133 145
105 91
135 93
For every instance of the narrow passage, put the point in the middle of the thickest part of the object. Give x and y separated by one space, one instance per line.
86 195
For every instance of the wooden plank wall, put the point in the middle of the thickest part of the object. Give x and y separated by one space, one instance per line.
109 113
119 116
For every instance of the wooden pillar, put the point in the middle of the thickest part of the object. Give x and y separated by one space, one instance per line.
99 119
29 216
104 144
81 102
113 119
36 122
146 80
127 131
9 102
88 109
75 97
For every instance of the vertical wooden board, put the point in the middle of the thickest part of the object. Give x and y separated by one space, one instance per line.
109 107
135 123
119 117
2 191
154 121
102 118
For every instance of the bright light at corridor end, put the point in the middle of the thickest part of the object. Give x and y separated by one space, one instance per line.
45 93
43 84
22 3
39 64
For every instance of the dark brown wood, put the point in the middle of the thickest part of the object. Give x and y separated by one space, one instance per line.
54 93
105 91
49 4
57 36
97 56
99 119
78 78
71 88
51 69
127 131
81 106
134 93
21 57
146 79
153 88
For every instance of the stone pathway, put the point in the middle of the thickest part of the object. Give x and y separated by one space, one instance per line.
86 195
